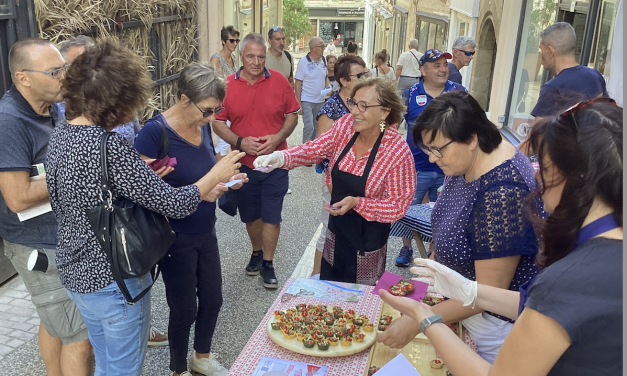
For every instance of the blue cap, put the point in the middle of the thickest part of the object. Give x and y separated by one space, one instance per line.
433 55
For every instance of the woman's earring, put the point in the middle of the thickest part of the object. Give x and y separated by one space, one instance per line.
382 125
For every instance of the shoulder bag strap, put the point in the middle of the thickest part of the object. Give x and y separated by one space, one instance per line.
289 57
412 54
164 142
109 250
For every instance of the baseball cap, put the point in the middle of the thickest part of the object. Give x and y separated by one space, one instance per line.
433 55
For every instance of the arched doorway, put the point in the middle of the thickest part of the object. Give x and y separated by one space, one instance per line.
483 63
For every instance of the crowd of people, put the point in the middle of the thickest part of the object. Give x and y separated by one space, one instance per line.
509 243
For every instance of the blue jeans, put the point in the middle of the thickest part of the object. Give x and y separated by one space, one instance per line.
117 331
427 181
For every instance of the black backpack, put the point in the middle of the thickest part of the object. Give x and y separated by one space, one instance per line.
289 57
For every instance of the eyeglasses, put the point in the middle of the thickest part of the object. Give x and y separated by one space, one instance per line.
360 75
579 106
233 41
467 53
361 106
277 28
207 113
436 151
56 74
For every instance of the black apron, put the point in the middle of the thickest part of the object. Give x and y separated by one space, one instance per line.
355 249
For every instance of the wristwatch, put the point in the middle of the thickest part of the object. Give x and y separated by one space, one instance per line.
238 144
424 324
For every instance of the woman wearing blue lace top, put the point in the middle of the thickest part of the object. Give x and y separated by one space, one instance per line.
348 70
479 226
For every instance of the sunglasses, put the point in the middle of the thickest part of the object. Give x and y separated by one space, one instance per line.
579 106
435 151
360 75
56 74
209 112
361 106
467 53
233 41
277 28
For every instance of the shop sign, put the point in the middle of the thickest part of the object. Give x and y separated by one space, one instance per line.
351 11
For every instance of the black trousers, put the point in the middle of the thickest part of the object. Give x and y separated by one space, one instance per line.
191 270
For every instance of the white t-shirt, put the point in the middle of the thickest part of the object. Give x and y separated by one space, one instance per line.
409 61
391 75
313 75
330 50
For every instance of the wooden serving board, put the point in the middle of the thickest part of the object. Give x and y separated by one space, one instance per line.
418 353
389 311
334 351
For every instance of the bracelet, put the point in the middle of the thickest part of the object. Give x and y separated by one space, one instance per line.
238 144
424 324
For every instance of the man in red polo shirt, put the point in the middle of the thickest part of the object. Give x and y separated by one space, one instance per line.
262 109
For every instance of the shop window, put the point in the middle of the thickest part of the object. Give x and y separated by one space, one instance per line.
461 29
529 76
431 33
600 53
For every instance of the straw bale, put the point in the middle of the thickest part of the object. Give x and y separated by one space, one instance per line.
59 20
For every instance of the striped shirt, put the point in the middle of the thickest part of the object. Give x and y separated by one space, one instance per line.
392 181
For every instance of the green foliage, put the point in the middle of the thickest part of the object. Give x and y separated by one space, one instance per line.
542 15
295 19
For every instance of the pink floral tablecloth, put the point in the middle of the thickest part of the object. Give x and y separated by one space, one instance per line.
259 345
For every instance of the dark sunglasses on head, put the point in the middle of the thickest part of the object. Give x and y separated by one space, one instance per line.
233 40
467 53
579 106
209 112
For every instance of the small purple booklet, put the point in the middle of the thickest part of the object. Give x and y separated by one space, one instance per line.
388 279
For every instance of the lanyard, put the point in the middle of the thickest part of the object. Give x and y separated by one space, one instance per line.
592 229
606 223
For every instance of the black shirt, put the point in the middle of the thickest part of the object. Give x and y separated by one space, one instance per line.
583 292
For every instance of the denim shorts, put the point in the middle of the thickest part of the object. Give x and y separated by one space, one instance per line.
56 311
262 197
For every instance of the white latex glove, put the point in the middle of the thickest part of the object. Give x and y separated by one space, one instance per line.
445 281
275 160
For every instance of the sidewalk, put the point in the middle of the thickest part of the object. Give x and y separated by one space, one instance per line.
18 319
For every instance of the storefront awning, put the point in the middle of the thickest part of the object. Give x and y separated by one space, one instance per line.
402 10
431 15
384 13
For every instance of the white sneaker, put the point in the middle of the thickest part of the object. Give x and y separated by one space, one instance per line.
207 366
289 191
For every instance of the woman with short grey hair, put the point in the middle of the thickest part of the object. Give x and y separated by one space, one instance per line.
191 269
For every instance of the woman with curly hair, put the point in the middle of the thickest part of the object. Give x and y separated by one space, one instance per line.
104 87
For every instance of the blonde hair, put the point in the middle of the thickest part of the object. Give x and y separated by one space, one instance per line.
388 97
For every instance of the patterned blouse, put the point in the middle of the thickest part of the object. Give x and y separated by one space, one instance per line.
73 176
334 108
226 69
485 219
392 182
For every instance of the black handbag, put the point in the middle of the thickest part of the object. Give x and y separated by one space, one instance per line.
228 202
134 238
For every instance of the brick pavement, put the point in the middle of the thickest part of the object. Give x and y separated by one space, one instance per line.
18 319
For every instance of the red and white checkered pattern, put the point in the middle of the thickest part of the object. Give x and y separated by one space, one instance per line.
260 345
392 181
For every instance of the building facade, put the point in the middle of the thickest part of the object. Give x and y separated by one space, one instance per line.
507 73
391 24
341 21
